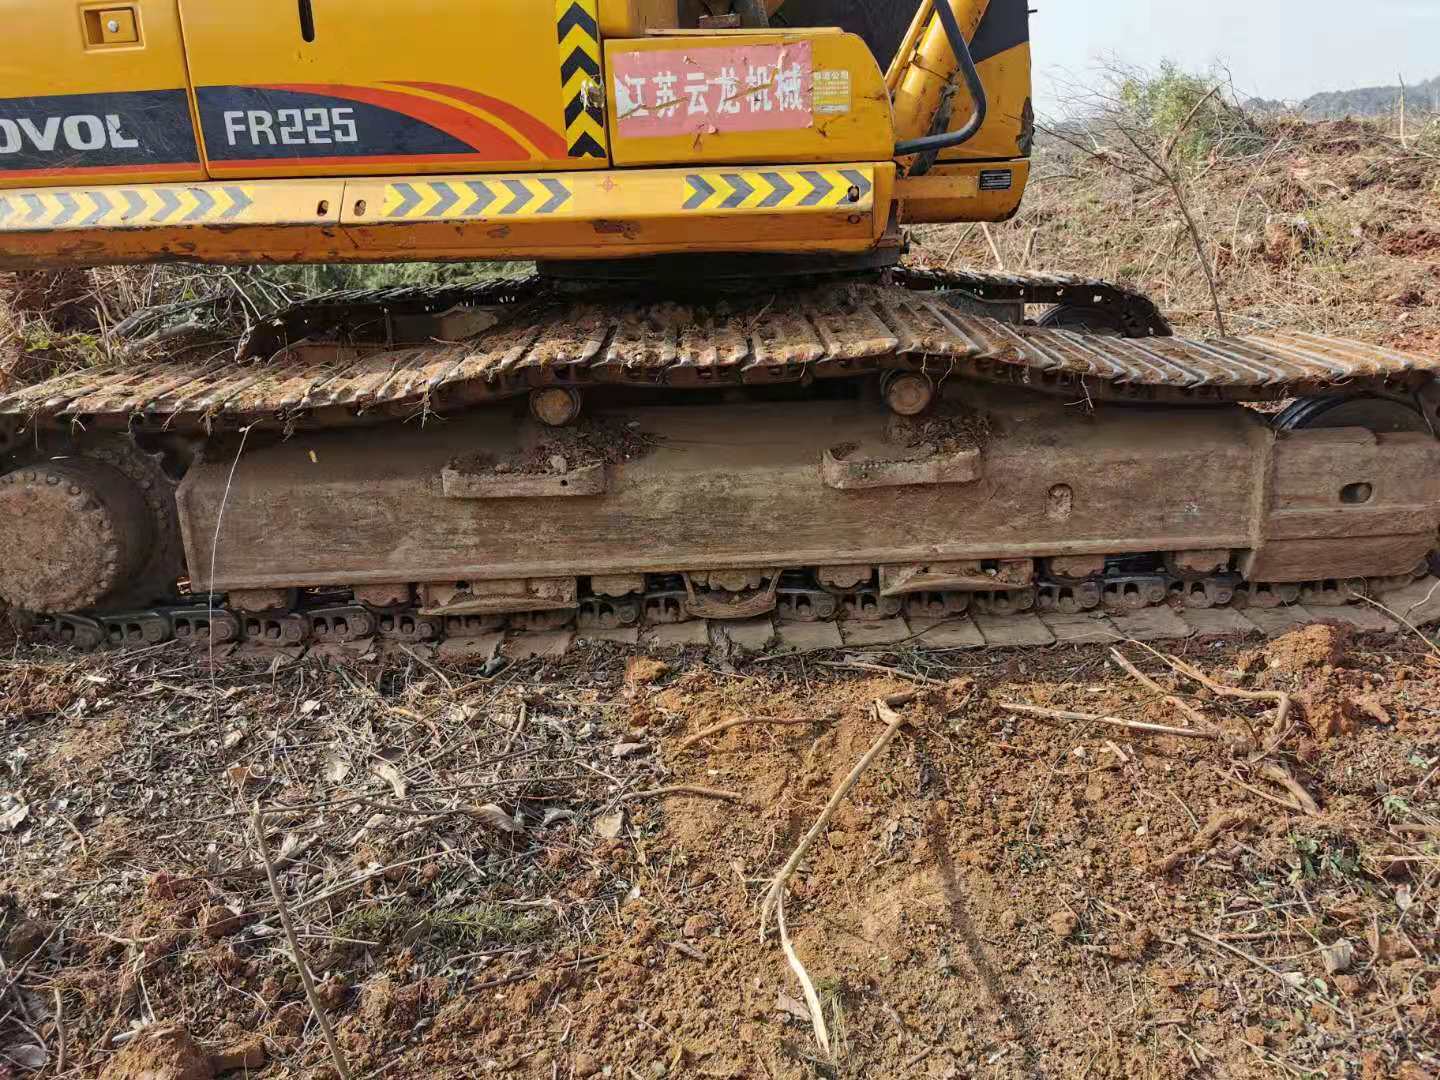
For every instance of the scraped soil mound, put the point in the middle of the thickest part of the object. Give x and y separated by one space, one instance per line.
549 873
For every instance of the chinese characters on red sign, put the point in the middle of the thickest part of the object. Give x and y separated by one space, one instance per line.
707 91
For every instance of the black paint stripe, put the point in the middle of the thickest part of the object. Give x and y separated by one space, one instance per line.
578 16
34 135
578 60
1006 24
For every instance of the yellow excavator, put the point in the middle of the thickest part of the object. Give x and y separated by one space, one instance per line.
721 394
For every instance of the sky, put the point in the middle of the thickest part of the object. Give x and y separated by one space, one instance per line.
1286 49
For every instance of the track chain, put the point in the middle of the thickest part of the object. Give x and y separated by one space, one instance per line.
796 600
368 314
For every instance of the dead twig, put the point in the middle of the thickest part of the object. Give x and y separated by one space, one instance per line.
1280 775
1282 700
1189 119
1207 836
1401 618
726 725
1299 987
1112 721
1201 252
516 730
880 669
1293 807
775 897
894 722
687 789
258 823
62 1047
1193 714
807 987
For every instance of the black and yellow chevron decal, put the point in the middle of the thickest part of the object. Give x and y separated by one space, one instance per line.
122 207
578 26
445 200
780 189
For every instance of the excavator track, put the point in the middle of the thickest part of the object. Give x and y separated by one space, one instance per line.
1011 493
369 357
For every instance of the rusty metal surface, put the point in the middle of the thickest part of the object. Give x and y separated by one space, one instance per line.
830 331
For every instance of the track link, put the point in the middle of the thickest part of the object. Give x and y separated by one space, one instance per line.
351 360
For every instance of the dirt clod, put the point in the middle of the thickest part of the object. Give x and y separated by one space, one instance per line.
644 670
163 1052
1063 924
246 1054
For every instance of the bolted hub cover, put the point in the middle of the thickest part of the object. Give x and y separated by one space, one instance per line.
71 533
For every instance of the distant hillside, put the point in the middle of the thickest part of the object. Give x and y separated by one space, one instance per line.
1365 101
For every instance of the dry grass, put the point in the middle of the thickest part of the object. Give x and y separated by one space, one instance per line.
1330 227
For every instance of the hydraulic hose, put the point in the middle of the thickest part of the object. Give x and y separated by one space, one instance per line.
934 144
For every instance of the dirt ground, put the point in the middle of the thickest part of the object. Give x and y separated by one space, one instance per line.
488 875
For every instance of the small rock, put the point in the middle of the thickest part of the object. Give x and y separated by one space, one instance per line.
610 826
1338 957
627 749
246 1054
219 922
559 464
1064 923
1255 1036
23 940
502 467
585 1065
696 926
160 1052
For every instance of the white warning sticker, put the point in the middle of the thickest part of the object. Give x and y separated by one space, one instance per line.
833 93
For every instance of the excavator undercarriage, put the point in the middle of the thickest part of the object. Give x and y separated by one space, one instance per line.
909 444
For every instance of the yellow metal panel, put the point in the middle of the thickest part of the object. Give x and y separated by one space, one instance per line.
634 18
975 191
838 208
432 86
78 109
1011 120
149 206
626 197
118 26
846 109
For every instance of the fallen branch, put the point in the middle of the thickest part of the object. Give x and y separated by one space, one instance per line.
880 669
1293 807
812 999
1280 775
1112 721
1203 840
1299 987
726 725
775 897
1194 714
1417 830
1281 699
516 730
894 722
686 789
258 823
